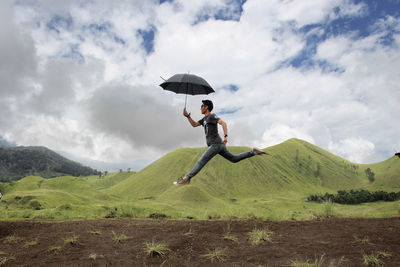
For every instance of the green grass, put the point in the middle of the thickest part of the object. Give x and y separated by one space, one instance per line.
259 236
95 232
4 260
304 264
364 240
12 239
318 262
216 255
189 233
328 209
375 259
119 238
72 240
55 249
230 237
156 249
273 187
108 180
32 243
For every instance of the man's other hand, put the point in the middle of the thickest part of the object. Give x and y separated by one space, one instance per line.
225 140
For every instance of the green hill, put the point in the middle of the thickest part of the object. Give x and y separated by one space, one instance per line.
271 186
294 165
106 181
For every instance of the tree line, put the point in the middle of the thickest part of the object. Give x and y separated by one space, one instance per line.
355 197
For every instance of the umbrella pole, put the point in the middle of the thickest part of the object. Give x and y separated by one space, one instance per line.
187 89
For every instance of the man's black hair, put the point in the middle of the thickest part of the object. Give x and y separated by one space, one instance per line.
209 104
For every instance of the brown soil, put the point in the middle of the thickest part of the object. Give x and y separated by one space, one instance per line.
335 242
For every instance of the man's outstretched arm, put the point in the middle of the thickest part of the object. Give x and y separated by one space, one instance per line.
191 121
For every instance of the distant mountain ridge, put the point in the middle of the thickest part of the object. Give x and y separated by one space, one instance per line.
20 161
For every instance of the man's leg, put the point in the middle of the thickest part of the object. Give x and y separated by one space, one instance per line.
235 158
209 154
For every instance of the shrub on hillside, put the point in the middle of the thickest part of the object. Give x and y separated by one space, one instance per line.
355 197
35 205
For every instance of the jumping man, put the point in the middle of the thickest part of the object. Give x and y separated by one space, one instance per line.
214 142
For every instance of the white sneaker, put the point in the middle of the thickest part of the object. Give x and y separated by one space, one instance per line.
182 182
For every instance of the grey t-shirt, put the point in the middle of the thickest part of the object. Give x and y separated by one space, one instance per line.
210 124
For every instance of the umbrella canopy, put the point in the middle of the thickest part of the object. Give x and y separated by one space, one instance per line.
187 84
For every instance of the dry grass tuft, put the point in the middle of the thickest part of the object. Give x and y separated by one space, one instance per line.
155 249
216 255
258 236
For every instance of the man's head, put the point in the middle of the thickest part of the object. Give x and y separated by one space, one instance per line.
207 104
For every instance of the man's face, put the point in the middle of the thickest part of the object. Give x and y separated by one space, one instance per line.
203 108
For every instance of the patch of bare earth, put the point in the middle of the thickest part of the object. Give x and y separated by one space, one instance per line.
334 242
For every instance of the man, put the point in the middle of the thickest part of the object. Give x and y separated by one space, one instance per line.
214 142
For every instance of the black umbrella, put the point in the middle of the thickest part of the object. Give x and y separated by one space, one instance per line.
187 84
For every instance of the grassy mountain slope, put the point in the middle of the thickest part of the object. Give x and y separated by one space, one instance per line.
387 173
270 186
294 165
276 184
66 196
109 180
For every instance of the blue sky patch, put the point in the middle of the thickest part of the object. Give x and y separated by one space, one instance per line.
377 10
232 10
228 111
359 25
119 40
163 1
105 29
147 39
74 54
231 87
97 29
58 22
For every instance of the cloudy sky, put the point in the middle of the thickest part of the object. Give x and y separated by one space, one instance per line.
82 76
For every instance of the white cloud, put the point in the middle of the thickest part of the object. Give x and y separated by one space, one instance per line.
76 76
354 149
371 81
279 133
18 61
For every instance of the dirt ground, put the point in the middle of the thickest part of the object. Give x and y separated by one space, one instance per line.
332 242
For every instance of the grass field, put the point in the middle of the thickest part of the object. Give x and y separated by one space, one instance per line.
272 187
